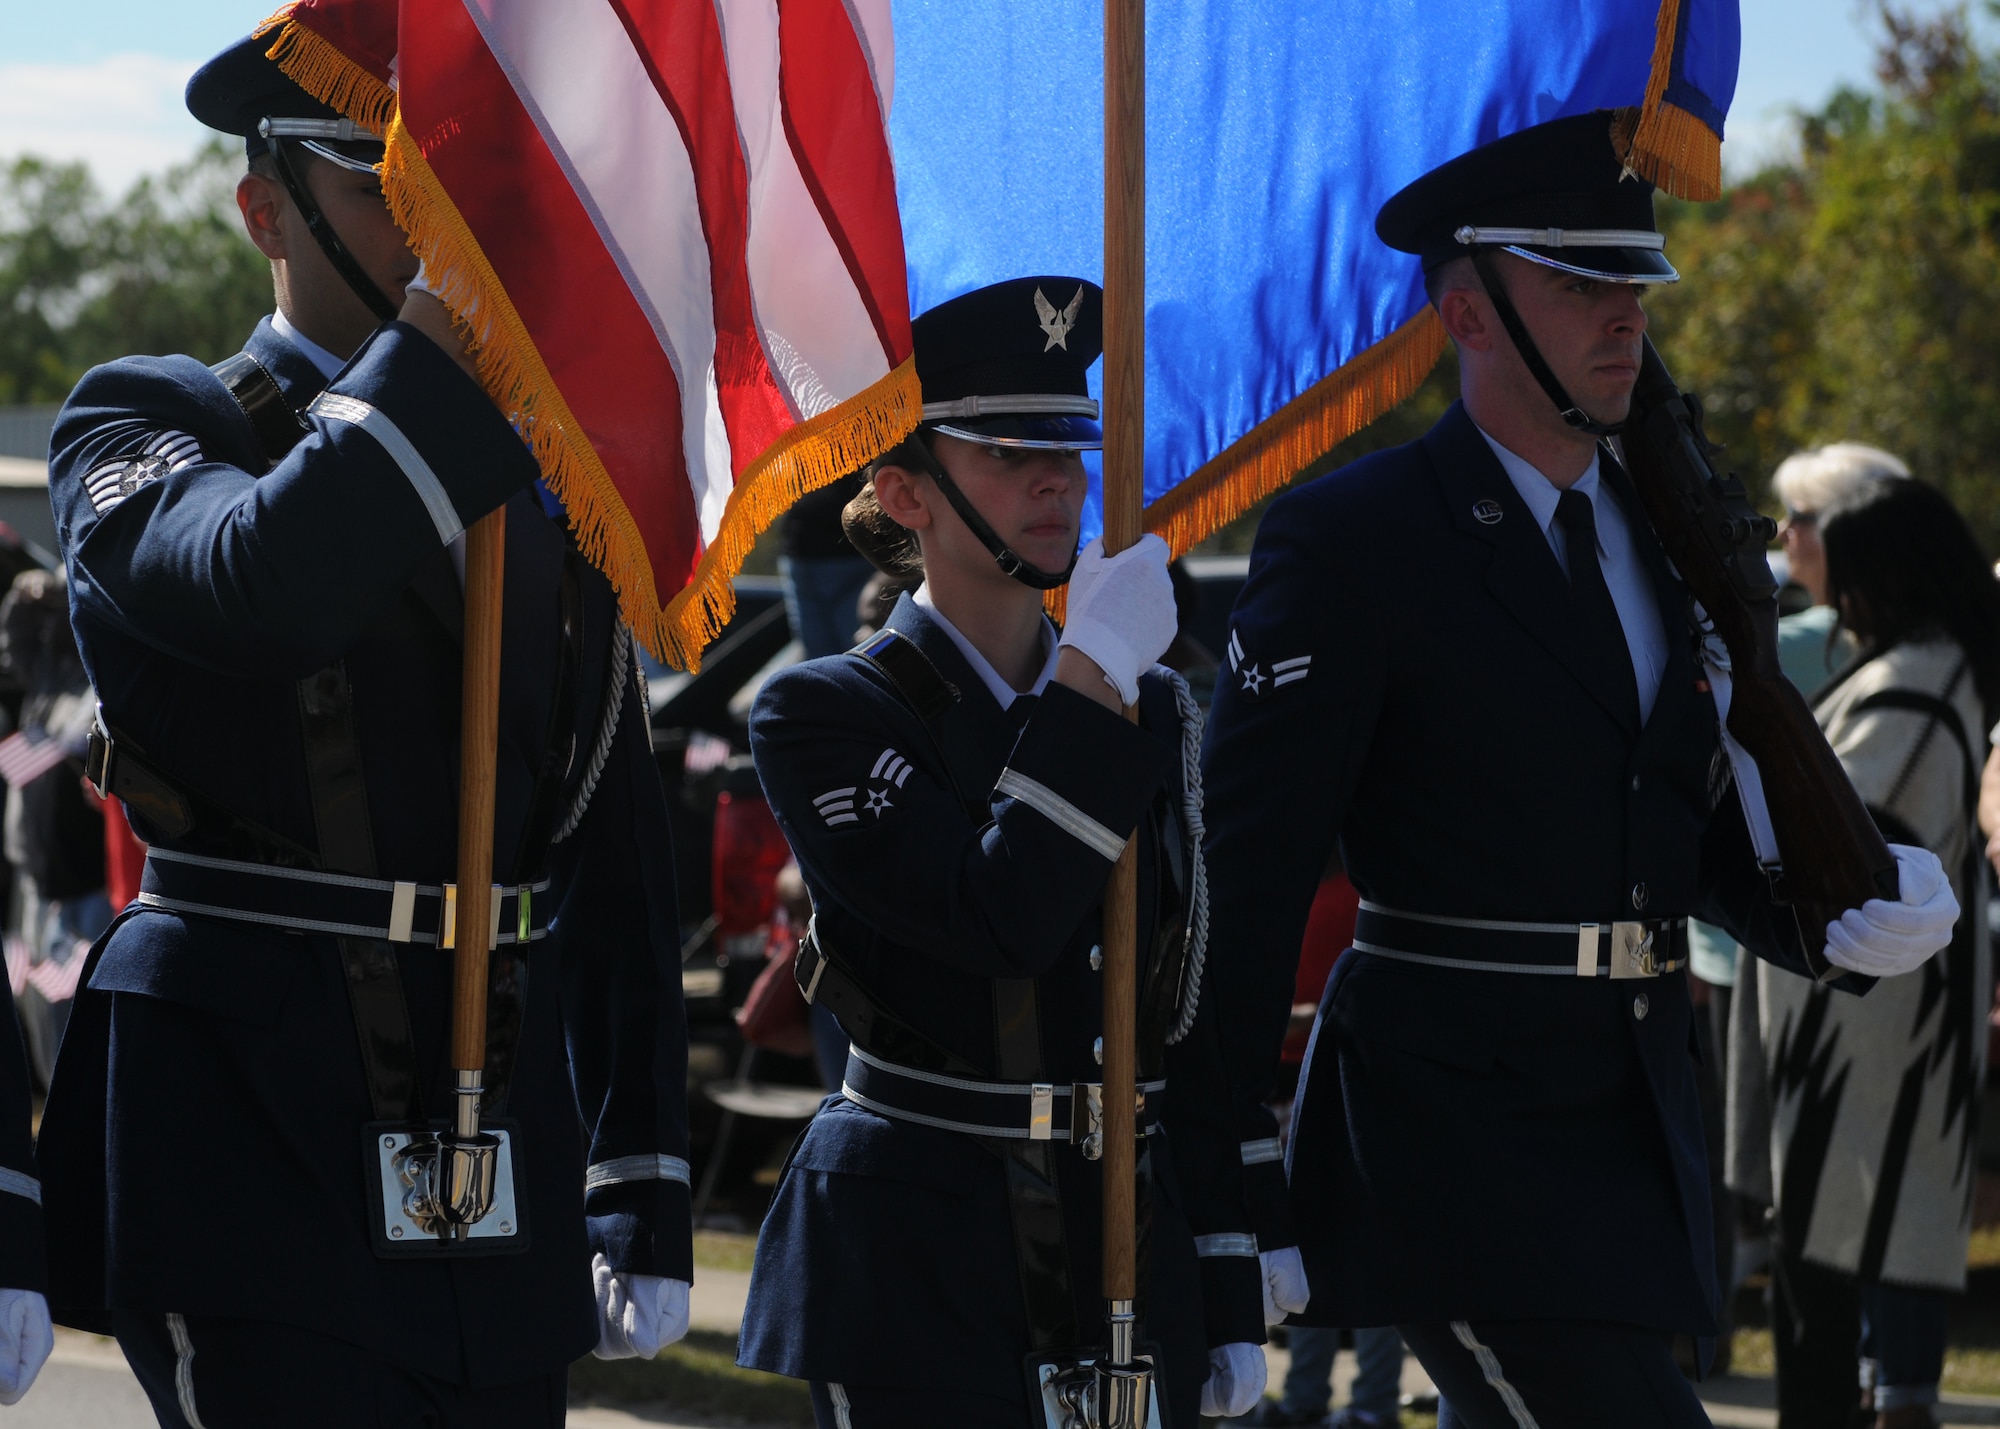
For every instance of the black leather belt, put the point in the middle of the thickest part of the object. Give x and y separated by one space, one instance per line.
304 900
1010 1111
1643 948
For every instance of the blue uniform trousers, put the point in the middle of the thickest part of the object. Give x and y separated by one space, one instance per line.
1553 1374
202 1372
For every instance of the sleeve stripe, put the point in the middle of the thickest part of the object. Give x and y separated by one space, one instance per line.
19 1184
1255 1153
622 1169
1227 1243
334 408
1060 812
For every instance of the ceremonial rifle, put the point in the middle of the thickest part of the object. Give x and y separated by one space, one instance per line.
1831 857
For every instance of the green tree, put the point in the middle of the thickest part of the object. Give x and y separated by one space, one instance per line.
1849 294
49 222
174 271
166 269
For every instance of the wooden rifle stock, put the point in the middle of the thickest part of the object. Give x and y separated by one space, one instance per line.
1832 856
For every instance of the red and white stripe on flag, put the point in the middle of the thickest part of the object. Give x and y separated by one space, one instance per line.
25 758
672 228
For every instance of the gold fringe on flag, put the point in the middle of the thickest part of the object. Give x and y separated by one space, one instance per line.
315 65
1270 454
1305 429
812 454
1661 142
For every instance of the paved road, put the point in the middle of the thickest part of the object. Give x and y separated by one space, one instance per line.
87 1384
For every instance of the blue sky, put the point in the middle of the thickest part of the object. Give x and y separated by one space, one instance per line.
101 80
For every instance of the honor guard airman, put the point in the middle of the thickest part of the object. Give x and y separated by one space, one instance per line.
1468 661
956 791
262 560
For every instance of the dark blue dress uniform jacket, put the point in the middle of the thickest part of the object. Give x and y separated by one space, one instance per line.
23 1263
1406 679
887 1256
203 1145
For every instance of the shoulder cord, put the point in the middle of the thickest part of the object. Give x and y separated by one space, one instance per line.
1197 933
621 663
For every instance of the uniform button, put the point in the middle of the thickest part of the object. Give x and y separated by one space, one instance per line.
1635 783
1640 1007
1097 1051
1638 895
1096 957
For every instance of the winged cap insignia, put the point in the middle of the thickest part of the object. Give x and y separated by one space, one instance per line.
1057 324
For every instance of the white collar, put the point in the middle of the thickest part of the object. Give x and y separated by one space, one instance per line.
1541 494
1003 693
329 366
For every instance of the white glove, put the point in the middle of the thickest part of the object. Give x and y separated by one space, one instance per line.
1285 1289
1121 611
1883 939
26 1337
1235 1381
637 1315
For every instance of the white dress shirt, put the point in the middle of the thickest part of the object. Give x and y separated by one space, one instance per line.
1005 693
1624 573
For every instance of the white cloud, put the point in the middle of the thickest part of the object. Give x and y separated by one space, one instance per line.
122 115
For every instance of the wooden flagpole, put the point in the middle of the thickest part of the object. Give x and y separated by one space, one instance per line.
1124 459
479 733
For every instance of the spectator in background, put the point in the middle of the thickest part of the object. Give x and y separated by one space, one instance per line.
823 574
1378 1352
1811 649
1873 1099
53 826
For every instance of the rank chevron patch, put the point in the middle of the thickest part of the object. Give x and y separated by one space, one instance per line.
836 806
1253 674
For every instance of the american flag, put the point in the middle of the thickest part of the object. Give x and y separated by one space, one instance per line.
672 227
55 980
25 757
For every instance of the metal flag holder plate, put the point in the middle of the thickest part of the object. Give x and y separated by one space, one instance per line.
441 1196
1087 1391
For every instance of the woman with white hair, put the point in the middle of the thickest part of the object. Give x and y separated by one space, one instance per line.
1814 483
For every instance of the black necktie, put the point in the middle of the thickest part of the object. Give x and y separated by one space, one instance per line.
1591 598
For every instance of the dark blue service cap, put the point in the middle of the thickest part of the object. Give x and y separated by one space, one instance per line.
1006 365
1556 194
242 87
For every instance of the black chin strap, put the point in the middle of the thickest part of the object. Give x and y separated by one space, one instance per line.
1006 559
1489 274
329 241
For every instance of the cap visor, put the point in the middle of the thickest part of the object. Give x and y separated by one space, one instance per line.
1076 434
1607 265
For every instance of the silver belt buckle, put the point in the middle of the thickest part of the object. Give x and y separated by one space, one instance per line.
1632 951
1041 1111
